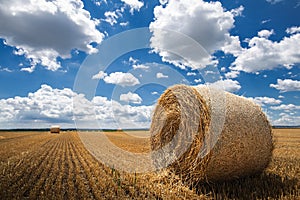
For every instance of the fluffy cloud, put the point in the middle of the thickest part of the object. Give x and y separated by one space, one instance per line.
132 60
140 66
124 23
48 106
265 101
286 107
292 30
100 75
99 2
206 23
132 116
123 79
286 85
238 11
198 80
118 78
161 75
191 74
163 2
265 54
265 33
287 120
227 85
232 74
232 46
131 98
134 5
111 17
45 105
44 30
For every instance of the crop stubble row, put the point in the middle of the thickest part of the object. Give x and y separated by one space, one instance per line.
50 166
57 166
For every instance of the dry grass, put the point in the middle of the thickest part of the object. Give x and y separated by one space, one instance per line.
135 142
49 166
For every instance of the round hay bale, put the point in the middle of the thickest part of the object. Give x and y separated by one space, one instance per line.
55 129
205 134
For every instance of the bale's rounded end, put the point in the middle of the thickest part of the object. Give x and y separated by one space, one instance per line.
179 124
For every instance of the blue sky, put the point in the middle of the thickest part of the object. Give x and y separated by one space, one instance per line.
103 64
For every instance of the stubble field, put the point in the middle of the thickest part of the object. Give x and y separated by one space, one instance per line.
57 166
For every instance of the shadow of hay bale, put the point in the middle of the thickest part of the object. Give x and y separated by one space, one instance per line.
261 186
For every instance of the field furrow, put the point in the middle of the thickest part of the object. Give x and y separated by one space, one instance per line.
58 166
71 174
80 175
42 186
98 182
24 145
21 175
27 183
64 171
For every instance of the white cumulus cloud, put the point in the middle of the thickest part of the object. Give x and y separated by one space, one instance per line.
265 100
133 60
232 74
99 75
286 107
111 17
131 98
161 75
43 30
122 79
292 30
265 54
124 23
198 80
265 33
205 23
134 5
286 85
287 120
140 66
227 85
191 74
48 106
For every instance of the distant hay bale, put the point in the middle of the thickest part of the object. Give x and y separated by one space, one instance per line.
184 127
55 129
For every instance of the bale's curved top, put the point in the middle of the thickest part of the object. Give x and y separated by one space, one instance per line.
186 116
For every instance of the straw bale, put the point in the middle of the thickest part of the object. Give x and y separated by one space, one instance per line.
204 134
55 129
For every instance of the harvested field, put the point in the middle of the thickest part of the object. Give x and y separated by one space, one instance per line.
51 166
